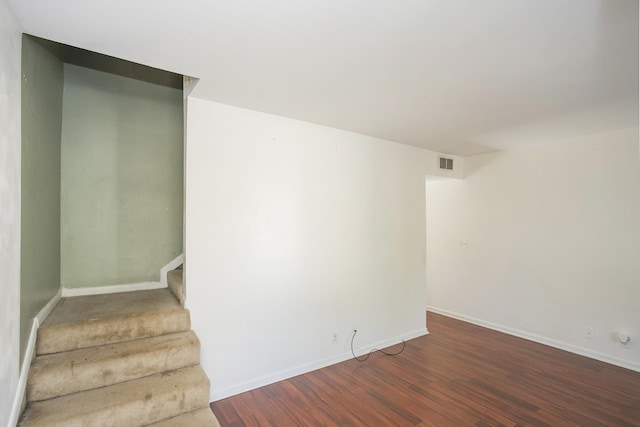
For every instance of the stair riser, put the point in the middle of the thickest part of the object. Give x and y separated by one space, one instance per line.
167 395
127 361
65 337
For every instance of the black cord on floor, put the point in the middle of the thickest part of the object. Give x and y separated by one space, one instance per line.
365 358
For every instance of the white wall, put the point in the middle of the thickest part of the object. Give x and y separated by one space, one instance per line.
10 36
553 234
294 232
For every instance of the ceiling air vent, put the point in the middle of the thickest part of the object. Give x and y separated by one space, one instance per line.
446 163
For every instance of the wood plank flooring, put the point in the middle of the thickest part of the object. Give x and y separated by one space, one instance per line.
459 375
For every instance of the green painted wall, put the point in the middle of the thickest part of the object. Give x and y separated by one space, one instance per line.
42 87
122 179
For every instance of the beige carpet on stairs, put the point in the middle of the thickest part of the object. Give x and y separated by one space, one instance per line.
127 359
175 280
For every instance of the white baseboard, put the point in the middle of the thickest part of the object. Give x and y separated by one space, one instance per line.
217 394
171 265
29 355
634 366
47 309
112 289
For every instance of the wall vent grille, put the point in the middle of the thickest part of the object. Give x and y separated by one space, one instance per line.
446 163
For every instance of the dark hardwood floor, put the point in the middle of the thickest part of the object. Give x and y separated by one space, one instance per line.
459 375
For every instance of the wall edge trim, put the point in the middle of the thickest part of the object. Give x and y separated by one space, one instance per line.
217 394
111 289
29 355
48 308
171 265
634 366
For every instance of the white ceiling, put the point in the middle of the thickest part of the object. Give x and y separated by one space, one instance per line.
456 76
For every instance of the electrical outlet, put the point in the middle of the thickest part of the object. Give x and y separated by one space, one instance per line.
588 333
624 340
334 338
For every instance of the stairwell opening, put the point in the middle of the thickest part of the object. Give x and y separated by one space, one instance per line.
102 173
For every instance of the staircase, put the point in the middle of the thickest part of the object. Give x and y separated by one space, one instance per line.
176 283
126 359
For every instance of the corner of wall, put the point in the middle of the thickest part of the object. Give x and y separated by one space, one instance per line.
10 80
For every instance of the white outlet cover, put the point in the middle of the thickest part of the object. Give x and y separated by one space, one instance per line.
588 333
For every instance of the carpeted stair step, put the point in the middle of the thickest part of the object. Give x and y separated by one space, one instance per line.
134 403
88 321
58 374
175 281
201 418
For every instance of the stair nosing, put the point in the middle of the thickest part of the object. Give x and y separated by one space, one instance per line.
56 365
45 344
195 377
